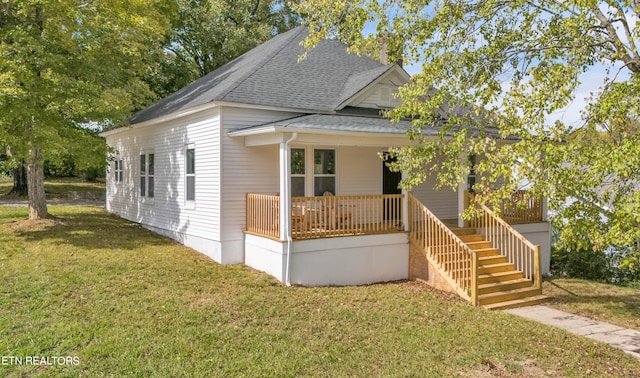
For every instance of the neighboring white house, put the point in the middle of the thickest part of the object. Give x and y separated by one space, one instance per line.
276 163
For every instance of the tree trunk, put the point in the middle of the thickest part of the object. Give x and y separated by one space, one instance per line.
35 179
19 180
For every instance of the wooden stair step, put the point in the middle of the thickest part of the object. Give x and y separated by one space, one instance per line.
494 268
503 286
483 244
531 301
464 230
492 260
471 238
484 252
509 295
499 277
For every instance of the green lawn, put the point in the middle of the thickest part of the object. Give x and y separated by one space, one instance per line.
59 186
608 303
126 302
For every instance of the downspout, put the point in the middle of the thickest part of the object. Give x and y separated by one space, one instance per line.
287 209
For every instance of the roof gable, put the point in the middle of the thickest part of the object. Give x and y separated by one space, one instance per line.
271 75
379 93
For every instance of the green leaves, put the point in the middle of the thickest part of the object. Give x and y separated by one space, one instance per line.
506 67
207 34
65 64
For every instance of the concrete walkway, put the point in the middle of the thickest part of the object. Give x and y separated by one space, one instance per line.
622 338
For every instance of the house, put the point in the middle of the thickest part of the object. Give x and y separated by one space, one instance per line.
275 163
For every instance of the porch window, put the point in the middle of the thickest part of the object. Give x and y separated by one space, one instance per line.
471 178
324 172
147 175
190 176
297 172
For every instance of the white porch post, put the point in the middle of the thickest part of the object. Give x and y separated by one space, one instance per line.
545 210
405 205
285 197
462 186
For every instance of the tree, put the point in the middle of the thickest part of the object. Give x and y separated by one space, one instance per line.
209 33
68 64
510 64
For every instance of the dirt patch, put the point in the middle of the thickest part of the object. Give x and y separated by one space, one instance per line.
28 225
494 368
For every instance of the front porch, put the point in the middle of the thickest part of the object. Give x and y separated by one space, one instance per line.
331 213
352 240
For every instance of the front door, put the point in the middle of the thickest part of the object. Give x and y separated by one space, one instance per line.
390 182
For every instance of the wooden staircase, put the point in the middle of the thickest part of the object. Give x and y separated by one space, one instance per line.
500 285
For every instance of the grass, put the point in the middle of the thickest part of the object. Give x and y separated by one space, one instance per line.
608 303
59 186
127 302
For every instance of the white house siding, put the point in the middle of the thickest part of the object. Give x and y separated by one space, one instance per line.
167 213
244 170
359 171
443 203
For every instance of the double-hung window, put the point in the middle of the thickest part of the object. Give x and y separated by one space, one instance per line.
324 171
147 175
119 168
297 172
190 174
471 178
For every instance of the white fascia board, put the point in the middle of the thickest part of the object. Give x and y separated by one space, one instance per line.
201 108
166 118
274 135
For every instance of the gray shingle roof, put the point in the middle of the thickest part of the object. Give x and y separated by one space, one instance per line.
270 75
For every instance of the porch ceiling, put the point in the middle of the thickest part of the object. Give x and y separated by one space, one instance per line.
329 129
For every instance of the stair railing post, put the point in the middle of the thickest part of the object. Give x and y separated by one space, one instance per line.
536 262
474 278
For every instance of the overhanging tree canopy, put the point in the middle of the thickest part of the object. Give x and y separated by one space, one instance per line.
522 60
68 63
206 34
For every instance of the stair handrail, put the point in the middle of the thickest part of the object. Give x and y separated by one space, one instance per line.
510 243
444 249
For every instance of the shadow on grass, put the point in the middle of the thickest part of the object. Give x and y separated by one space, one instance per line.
89 229
560 287
597 298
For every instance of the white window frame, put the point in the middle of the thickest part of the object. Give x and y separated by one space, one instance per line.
335 170
118 170
147 175
190 203
472 176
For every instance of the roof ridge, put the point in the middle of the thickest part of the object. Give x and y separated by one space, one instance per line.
265 61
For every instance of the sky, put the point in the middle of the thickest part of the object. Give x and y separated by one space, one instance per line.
590 81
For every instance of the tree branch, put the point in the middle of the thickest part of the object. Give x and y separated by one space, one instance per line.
633 64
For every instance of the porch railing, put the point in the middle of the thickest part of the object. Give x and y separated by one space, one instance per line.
330 216
510 243
443 248
326 216
263 215
519 209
